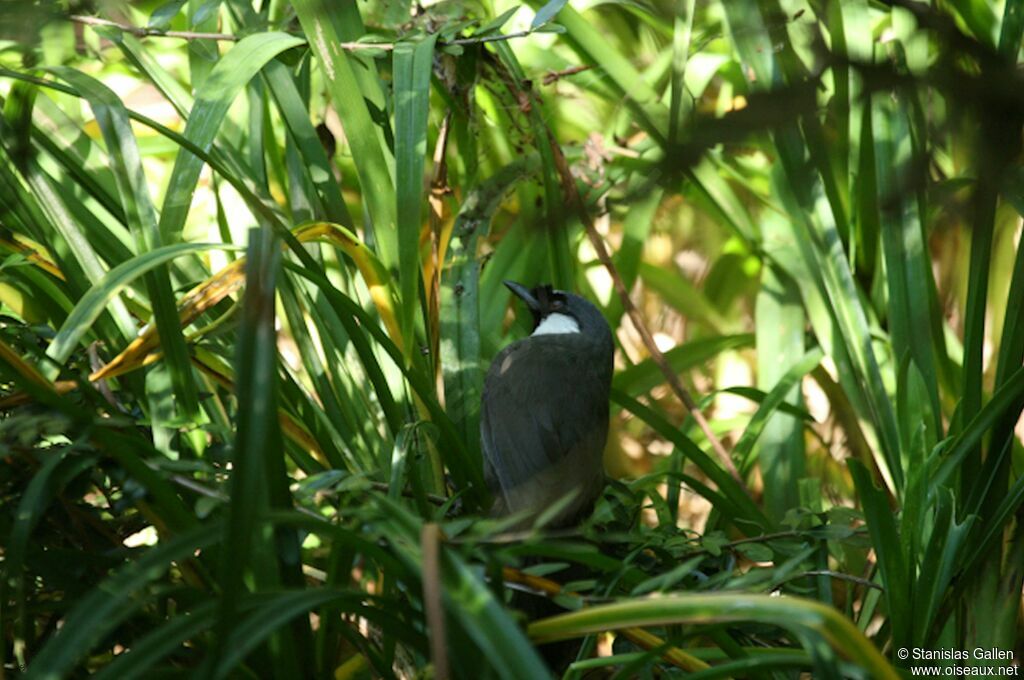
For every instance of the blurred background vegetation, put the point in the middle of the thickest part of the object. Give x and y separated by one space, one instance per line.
251 257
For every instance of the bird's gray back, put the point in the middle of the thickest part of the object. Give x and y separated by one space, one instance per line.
544 423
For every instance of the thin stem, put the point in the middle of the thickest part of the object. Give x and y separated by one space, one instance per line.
837 575
554 76
146 32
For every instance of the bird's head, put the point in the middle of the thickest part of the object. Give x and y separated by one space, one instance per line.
558 311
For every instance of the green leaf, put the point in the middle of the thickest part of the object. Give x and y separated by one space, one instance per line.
258 469
550 28
467 471
669 579
412 70
163 15
908 269
781 326
92 304
645 375
891 559
227 78
635 228
942 559
745 446
350 100
681 295
460 298
589 43
315 161
741 509
793 613
547 12
1006 400
497 22
126 164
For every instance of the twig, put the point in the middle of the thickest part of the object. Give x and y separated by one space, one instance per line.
554 76
516 537
764 538
388 46
146 32
838 575
430 541
202 490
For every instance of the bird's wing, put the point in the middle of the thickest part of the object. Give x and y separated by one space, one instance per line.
544 419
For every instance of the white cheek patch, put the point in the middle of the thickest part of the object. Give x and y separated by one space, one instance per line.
556 324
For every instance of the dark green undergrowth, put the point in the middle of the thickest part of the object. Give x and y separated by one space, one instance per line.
250 278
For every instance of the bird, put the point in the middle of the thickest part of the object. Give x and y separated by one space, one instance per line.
544 411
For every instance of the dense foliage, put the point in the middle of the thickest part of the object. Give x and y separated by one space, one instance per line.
251 257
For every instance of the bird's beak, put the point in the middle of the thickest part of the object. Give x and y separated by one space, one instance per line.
524 294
